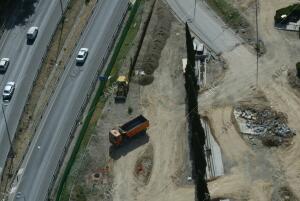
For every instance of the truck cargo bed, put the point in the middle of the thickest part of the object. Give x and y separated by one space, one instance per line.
133 123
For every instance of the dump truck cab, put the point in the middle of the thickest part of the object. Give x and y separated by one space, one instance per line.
122 90
130 129
115 137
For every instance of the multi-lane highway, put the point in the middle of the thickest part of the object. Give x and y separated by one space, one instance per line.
48 145
25 60
205 24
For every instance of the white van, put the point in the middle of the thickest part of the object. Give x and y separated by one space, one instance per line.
32 33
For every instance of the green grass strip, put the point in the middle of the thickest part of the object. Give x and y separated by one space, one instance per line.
229 14
96 99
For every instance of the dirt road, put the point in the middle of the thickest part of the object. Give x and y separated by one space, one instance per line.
163 103
254 173
251 172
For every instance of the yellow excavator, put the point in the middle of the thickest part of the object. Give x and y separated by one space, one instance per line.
122 89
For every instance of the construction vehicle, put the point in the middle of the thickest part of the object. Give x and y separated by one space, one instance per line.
122 89
128 130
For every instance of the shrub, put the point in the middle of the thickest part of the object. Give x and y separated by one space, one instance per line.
271 141
130 110
298 69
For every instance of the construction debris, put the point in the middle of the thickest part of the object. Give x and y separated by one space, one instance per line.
202 57
263 122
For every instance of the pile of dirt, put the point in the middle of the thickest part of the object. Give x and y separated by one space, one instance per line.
283 194
263 122
143 166
156 36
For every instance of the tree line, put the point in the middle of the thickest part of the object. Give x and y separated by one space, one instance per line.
194 122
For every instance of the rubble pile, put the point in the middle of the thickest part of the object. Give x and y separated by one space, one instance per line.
143 166
265 122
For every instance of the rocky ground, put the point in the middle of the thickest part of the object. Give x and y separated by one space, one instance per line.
257 172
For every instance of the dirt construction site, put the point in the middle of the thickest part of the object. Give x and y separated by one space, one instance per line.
254 122
150 166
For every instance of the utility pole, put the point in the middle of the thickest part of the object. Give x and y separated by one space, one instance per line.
7 131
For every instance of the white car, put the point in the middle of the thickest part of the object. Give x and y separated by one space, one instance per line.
8 91
32 33
4 62
82 55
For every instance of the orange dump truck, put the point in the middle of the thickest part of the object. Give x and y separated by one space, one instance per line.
128 130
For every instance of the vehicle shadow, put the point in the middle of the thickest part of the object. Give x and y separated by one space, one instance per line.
79 63
29 42
17 13
131 144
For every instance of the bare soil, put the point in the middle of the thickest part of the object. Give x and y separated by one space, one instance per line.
153 44
239 21
251 172
143 166
149 166
163 103
257 173
99 155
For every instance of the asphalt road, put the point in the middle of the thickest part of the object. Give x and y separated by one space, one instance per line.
54 130
205 24
25 60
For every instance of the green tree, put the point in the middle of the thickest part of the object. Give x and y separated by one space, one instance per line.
195 127
190 69
298 69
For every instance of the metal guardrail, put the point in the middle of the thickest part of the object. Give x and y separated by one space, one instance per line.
86 101
30 91
98 95
53 90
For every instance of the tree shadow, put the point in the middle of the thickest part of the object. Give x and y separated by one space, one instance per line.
131 144
17 13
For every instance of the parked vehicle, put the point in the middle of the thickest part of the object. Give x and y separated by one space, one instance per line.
32 33
122 90
4 63
8 91
128 130
82 55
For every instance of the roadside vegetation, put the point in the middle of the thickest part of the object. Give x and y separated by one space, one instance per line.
60 49
229 14
88 129
197 133
15 12
238 21
298 69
